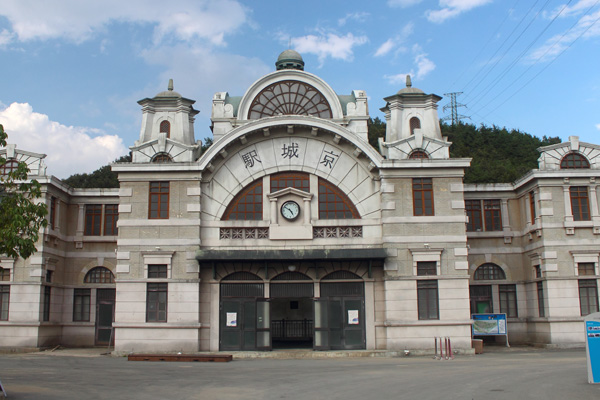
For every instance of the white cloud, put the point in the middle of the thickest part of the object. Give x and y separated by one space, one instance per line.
586 27
422 67
598 126
329 45
70 149
5 37
403 3
357 16
396 41
78 20
453 8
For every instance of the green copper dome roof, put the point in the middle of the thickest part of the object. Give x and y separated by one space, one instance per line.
290 59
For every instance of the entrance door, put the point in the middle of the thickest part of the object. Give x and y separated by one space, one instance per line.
105 315
339 323
245 324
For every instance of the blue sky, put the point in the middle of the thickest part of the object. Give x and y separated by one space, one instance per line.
73 70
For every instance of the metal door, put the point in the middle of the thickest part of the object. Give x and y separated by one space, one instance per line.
245 324
339 323
105 316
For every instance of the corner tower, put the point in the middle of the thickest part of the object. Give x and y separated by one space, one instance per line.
167 132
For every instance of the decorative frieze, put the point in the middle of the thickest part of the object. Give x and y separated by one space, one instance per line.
338 232
244 233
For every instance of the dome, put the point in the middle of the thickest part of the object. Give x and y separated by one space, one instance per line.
290 59
409 89
169 92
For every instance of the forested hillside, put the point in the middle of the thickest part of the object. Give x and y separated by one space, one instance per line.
499 155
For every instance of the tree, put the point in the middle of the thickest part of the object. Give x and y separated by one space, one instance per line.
103 177
21 217
376 131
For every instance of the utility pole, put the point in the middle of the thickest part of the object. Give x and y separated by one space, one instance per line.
453 106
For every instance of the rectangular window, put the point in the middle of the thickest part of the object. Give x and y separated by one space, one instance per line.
4 301
427 298
422 196
93 219
508 300
481 299
426 268
532 207
586 269
81 304
157 271
473 210
493 215
49 275
4 274
588 296
156 302
111 216
580 205
159 200
52 216
540 292
46 309
537 270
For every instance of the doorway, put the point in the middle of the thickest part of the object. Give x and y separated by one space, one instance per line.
105 316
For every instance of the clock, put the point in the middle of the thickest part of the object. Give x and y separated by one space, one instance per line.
290 210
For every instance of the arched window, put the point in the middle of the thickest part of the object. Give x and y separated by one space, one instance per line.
8 167
574 161
251 285
165 127
489 272
247 205
418 154
99 275
291 276
334 204
341 275
162 158
242 276
289 98
296 180
414 123
342 283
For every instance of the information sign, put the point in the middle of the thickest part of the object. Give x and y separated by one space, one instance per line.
490 325
592 341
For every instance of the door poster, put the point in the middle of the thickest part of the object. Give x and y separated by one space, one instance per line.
231 319
352 317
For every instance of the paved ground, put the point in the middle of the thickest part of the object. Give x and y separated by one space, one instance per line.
514 374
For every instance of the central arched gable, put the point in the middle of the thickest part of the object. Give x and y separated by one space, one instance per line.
280 144
290 75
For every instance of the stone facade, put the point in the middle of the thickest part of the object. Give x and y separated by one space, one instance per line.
292 231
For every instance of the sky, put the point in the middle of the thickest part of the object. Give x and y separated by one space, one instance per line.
72 71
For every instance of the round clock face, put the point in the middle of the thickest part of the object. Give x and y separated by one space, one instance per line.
290 210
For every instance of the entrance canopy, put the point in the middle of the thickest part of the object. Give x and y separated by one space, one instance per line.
301 254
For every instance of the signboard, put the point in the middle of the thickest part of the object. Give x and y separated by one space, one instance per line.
490 325
231 319
352 317
592 341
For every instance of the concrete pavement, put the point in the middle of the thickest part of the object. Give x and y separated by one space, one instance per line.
501 374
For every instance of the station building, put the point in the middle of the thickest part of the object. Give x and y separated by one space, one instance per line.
292 231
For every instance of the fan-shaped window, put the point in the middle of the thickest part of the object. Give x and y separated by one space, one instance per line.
162 158
296 180
247 205
8 167
418 154
341 275
489 272
289 98
165 127
574 161
99 275
334 204
242 276
291 276
414 123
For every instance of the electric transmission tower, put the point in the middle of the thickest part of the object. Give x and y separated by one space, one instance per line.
453 106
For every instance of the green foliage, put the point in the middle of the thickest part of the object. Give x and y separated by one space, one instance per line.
206 143
376 130
103 177
21 217
499 155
